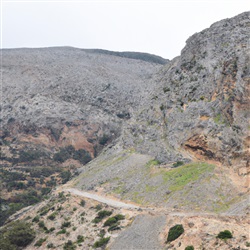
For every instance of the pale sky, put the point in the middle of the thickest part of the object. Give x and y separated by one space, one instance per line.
157 27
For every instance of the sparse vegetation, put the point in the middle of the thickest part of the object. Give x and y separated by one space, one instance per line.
175 232
69 152
179 177
16 235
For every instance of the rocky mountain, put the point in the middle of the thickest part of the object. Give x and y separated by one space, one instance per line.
197 113
171 135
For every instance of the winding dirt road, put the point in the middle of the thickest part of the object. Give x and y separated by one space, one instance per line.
102 199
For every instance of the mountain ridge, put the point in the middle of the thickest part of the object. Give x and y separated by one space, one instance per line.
174 136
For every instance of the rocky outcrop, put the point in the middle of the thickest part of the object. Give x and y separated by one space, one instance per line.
199 109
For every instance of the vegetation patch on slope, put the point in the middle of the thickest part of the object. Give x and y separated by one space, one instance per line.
180 177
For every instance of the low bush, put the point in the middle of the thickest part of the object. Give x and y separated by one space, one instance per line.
114 227
113 220
102 242
175 232
178 164
40 242
110 221
189 248
52 216
225 235
104 139
36 219
80 239
82 203
50 245
69 245
101 214
63 231
66 224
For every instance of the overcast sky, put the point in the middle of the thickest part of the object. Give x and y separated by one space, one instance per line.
157 27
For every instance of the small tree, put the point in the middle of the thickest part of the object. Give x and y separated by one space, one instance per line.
225 235
175 232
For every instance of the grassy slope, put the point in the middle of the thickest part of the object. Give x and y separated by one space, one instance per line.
132 176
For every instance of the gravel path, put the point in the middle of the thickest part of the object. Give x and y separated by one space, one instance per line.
143 234
102 199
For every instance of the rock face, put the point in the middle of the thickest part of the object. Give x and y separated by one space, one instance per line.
199 109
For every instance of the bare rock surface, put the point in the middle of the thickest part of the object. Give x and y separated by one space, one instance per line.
142 234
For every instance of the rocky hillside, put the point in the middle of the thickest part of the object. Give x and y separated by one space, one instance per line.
173 137
66 96
60 107
190 136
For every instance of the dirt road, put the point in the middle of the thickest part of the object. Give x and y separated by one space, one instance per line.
102 199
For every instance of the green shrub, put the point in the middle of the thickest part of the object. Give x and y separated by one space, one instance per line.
104 213
110 221
40 242
63 231
69 245
113 220
27 156
189 248
178 164
52 216
15 235
101 214
225 235
175 232
69 152
82 203
119 217
36 219
102 233
65 175
80 239
66 224
104 139
114 227
101 242
50 245
98 207
41 224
